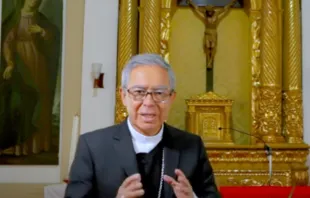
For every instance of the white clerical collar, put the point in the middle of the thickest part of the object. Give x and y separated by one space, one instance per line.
142 143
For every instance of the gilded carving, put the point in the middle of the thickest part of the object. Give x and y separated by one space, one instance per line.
211 111
256 4
238 164
292 45
255 17
209 97
270 114
301 176
209 127
127 47
167 12
292 96
271 47
121 111
165 34
293 120
251 181
150 37
270 104
248 165
190 121
245 155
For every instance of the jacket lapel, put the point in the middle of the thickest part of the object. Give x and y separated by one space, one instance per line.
172 155
124 149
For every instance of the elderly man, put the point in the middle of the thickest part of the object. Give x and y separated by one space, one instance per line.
143 156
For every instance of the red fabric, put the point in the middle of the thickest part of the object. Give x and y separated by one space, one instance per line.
265 192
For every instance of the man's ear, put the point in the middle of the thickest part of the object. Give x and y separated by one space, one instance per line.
122 93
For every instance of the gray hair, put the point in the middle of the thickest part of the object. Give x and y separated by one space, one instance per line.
147 60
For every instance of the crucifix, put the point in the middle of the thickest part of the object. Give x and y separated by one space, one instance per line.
211 13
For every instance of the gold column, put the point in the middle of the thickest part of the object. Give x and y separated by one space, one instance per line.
127 47
292 104
168 10
270 107
150 38
141 22
255 21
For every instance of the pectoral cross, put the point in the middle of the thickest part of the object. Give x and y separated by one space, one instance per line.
210 12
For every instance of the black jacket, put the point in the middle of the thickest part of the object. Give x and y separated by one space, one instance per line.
105 157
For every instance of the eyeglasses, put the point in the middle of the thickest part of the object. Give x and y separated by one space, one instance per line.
157 95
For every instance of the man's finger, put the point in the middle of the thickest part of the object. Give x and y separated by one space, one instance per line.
180 190
178 172
137 193
128 180
181 177
134 186
170 180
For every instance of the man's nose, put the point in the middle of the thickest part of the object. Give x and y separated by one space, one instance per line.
148 100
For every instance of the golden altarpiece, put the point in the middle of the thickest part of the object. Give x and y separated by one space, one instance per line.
274 58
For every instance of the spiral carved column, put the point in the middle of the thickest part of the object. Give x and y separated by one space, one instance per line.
270 107
150 39
127 47
292 95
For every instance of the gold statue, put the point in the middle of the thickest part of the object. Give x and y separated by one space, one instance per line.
211 17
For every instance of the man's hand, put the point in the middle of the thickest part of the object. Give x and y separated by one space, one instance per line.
182 188
131 187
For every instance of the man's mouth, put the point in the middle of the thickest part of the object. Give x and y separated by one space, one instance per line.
148 116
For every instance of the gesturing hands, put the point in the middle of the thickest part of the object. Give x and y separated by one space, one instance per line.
131 187
181 188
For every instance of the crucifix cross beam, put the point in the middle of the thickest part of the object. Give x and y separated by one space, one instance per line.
216 3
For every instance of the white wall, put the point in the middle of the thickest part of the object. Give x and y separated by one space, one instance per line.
100 45
306 69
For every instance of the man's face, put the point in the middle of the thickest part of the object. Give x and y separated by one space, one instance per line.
148 113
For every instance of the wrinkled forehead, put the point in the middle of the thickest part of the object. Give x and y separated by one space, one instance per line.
151 77
159 87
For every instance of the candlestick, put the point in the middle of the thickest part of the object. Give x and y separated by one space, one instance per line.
74 140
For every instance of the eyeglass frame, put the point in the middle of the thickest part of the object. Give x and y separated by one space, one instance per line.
147 93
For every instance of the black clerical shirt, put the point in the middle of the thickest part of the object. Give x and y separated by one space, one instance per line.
150 165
